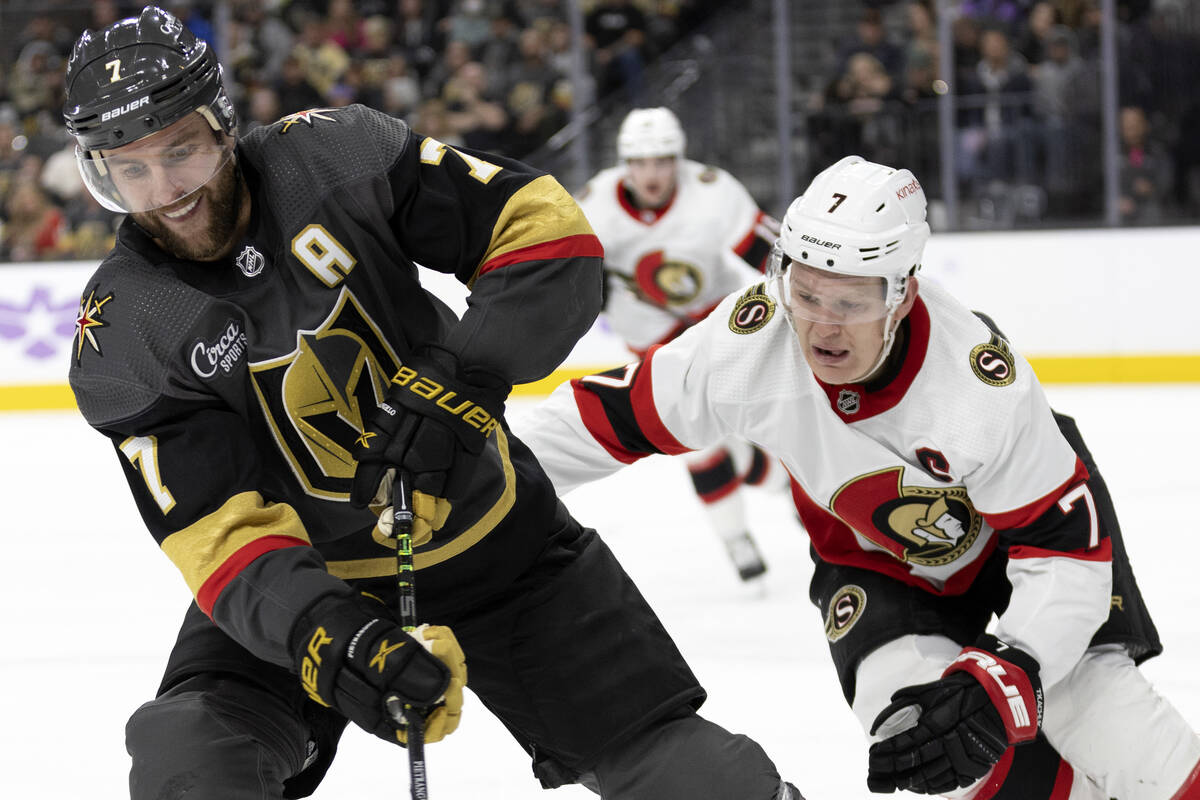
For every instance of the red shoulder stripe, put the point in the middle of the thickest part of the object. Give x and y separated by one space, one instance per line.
585 245
1101 552
1025 515
641 396
212 587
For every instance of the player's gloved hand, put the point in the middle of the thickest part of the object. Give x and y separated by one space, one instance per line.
352 656
987 699
434 422
429 512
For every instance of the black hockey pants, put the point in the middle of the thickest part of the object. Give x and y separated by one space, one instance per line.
217 738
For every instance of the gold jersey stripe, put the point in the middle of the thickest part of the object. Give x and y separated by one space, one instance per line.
540 211
382 567
203 547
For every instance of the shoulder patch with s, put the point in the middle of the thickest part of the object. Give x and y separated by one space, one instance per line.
88 321
752 311
845 609
993 362
708 175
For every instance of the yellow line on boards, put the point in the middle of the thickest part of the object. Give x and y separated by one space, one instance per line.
1049 369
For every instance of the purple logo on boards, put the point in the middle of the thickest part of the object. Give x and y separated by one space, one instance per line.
39 325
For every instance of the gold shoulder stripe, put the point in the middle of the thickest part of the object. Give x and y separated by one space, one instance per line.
540 211
242 525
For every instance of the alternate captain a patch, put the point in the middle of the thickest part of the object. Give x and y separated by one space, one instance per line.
752 311
88 322
993 362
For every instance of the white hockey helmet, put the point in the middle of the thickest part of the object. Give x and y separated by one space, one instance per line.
650 133
856 218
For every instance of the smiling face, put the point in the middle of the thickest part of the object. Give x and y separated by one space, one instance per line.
840 321
652 180
181 185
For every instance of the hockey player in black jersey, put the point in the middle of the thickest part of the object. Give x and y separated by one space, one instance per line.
261 354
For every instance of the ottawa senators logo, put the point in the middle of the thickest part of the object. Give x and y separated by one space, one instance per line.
753 310
929 526
993 362
845 609
664 280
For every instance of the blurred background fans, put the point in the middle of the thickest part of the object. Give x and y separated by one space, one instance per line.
1014 114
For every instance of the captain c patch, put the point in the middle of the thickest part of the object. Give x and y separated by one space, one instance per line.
753 310
844 610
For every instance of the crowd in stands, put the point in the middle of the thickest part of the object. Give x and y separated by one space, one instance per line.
489 74
493 75
1027 91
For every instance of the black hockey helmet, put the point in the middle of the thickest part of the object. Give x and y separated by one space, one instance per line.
135 78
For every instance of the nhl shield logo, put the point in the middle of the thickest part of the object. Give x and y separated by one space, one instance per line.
849 401
250 261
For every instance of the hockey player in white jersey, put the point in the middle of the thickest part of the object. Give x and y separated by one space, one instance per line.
938 488
678 237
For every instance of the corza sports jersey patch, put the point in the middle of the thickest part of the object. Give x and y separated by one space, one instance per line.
753 310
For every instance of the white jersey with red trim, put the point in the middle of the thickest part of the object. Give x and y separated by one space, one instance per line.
920 479
669 267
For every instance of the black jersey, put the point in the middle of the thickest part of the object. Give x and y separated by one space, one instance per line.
233 391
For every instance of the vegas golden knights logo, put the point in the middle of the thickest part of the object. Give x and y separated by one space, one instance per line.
924 525
316 397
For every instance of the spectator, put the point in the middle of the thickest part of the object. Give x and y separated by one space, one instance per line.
194 20
417 35
1031 42
468 21
1004 13
344 27
472 112
293 88
34 225
1066 100
399 90
266 40
262 107
36 82
995 139
616 33
1146 170
501 49
432 119
322 58
456 54
870 37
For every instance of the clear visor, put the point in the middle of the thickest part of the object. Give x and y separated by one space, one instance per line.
161 170
826 297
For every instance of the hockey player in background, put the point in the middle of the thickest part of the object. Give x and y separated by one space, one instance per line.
938 489
678 236
260 352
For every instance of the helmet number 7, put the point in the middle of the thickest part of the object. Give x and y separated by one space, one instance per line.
838 200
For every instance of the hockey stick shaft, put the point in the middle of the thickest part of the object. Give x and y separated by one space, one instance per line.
406 598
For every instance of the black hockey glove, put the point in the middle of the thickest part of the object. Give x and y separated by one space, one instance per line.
987 699
352 656
434 422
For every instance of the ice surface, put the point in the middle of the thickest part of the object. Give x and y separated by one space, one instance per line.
89 608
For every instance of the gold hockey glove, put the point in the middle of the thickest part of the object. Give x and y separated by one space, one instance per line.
352 656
